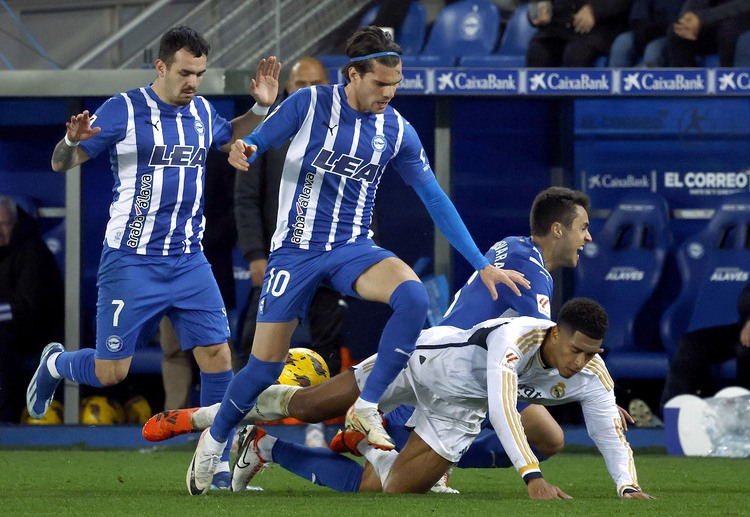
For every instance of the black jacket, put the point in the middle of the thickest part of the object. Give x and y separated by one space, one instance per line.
31 283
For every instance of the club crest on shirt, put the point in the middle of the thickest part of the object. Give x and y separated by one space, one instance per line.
199 127
114 343
558 390
379 143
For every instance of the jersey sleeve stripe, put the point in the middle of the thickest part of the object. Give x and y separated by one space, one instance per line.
510 388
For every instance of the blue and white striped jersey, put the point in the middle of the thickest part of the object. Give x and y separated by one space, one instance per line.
336 158
157 153
473 303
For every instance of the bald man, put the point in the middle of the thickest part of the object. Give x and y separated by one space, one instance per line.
255 205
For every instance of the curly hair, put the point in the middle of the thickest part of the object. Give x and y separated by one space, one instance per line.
584 315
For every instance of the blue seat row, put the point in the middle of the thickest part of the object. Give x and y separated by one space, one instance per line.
624 270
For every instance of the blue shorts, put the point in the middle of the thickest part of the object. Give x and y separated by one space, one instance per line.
293 275
136 291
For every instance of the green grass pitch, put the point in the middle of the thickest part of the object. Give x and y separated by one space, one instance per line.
152 482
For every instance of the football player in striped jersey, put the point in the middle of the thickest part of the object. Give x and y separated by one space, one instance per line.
483 371
152 263
343 138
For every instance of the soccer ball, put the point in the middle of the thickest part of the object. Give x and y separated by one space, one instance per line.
99 410
53 416
137 410
304 367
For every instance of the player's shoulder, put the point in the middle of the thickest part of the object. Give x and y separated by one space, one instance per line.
516 250
597 371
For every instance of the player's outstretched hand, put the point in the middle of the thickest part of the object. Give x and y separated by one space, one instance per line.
79 127
239 154
625 417
491 276
265 86
540 489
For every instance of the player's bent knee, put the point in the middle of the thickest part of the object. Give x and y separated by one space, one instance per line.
213 358
110 373
553 443
410 298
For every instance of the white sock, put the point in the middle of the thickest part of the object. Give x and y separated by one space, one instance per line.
223 467
52 367
204 417
272 404
213 445
382 461
265 447
361 403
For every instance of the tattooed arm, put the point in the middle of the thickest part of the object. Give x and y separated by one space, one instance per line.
67 154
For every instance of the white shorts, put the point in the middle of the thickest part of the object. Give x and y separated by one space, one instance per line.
447 424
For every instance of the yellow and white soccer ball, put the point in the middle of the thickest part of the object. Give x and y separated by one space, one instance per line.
99 410
53 416
304 367
137 410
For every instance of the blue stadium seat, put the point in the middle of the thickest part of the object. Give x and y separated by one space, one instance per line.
412 31
742 51
468 27
621 269
713 266
513 44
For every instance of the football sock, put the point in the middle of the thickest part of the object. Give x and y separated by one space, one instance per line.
272 404
213 387
381 461
241 394
395 425
321 466
487 452
78 367
409 302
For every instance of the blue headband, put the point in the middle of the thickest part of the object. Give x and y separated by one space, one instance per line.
371 56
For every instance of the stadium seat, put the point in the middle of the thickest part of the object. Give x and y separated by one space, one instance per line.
410 36
742 51
713 266
512 50
621 269
412 31
465 28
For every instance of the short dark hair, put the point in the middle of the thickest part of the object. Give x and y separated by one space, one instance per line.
369 40
584 315
182 36
556 204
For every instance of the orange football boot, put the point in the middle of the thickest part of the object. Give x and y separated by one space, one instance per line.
168 424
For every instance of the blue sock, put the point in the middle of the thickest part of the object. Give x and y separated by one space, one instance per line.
321 466
241 394
79 367
409 302
487 452
213 387
395 425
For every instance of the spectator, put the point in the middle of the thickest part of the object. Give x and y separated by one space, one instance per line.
31 304
574 33
690 371
646 40
707 27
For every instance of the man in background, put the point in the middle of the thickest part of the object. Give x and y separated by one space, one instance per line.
31 304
